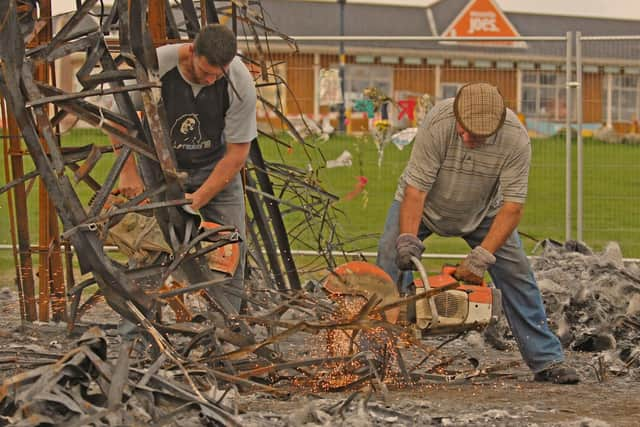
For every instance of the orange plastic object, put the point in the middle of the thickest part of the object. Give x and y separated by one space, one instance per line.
224 259
477 293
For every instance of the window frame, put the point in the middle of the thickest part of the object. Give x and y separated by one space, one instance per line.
620 113
539 85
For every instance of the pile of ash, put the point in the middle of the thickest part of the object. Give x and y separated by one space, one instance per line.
592 302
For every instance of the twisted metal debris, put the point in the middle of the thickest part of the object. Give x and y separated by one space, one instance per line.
272 189
191 340
191 347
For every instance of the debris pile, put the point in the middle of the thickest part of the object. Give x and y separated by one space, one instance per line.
199 368
592 302
199 371
84 388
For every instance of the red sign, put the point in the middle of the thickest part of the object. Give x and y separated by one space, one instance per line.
483 18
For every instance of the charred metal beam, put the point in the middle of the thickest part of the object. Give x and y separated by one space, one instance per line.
191 18
262 224
83 175
172 27
110 20
69 209
210 12
92 159
276 218
110 76
69 47
94 56
103 193
70 158
87 93
42 118
195 287
62 35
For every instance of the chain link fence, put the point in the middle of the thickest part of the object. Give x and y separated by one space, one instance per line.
582 181
589 192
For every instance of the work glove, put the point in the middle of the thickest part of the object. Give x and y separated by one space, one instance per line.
407 246
472 268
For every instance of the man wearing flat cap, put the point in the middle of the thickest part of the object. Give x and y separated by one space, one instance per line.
467 177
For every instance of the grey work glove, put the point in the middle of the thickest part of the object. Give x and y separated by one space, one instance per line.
472 268
407 245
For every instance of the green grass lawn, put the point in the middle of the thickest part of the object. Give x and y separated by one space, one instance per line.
611 194
611 190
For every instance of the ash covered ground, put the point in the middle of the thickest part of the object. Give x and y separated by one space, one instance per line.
593 304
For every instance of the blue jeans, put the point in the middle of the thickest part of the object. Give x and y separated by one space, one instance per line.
227 208
512 274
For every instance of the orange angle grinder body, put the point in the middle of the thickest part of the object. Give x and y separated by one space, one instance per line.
465 307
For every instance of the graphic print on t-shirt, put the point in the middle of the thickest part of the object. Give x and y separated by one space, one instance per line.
187 135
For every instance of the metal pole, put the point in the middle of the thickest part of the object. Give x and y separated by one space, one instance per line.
46 214
234 17
52 303
519 89
316 86
58 289
409 38
6 134
609 100
567 229
158 22
579 207
341 117
25 277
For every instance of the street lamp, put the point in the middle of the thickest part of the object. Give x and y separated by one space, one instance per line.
341 117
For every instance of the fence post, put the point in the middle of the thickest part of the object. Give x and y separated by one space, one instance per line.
580 161
342 57
567 230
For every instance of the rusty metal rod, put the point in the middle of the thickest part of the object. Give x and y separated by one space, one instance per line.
25 266
12 220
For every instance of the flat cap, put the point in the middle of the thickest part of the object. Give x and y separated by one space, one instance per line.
480 109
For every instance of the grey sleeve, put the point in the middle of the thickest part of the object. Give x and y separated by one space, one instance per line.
240 121
514 177
136 98
167 58
425 160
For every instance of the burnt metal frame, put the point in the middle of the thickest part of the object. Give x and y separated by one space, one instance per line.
29 100
272 188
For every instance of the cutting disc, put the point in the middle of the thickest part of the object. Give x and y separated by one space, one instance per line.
362 279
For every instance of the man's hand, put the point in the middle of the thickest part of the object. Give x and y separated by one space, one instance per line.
472 268
407 246
197 201
130 183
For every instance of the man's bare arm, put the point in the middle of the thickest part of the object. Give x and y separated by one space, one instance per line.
233 160
129 183
505 222
411 210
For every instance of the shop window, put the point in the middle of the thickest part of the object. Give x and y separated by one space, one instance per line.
359 77
544 95
449 90
625 98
